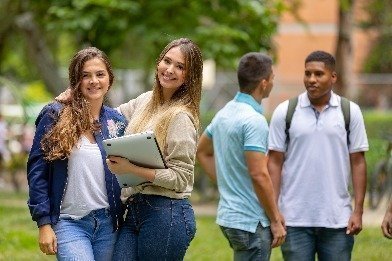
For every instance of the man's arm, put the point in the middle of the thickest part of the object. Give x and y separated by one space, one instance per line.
275 164
386 225
257 168
358 169
205 155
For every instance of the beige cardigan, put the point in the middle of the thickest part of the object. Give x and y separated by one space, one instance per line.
177 180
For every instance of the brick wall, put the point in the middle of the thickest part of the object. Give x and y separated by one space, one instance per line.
294 41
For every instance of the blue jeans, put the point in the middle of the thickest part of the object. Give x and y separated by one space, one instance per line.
303 243
247 245
88 238
155 228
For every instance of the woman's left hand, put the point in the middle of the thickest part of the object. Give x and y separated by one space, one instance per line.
119 165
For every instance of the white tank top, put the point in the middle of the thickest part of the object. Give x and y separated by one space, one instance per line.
85 189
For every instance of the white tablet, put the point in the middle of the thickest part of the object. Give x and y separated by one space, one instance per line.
141 149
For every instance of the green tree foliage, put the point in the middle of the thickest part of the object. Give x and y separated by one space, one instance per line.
92 22
24 48
224 29
380 18
133 32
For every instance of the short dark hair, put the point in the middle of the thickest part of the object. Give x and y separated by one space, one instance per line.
321 56
253 67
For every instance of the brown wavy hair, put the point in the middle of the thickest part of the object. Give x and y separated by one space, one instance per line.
185 99
75 117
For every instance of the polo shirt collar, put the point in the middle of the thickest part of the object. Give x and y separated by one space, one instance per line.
248 99
305 102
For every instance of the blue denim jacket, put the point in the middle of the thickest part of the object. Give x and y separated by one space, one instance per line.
48 179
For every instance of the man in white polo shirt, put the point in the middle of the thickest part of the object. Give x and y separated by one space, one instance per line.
310 167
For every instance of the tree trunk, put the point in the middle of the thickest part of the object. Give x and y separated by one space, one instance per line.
40 54
343 54
14 180
7 23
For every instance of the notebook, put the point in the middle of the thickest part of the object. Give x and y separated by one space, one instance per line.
141 149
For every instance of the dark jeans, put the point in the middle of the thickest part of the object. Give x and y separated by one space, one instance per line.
249 246
155 228
330 244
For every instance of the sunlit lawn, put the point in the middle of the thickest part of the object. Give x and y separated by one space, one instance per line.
209 244
18 237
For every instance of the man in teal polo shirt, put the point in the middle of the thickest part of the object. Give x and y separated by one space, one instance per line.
232 151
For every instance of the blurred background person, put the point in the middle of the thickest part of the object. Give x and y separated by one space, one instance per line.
3 137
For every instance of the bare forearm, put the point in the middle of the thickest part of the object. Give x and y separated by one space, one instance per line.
274 172
264 191
205 155
359 185
275 164
389 209
208 164
358 168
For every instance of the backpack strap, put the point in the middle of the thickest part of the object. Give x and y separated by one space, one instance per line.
345 106
289 116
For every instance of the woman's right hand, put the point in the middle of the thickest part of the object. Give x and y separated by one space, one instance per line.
47 240
64 97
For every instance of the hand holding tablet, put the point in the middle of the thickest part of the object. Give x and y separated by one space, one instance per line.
140 149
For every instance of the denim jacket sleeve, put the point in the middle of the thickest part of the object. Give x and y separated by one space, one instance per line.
38 168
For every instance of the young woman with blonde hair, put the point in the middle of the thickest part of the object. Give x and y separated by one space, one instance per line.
160 222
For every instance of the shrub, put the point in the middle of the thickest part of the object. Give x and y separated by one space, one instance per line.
378 126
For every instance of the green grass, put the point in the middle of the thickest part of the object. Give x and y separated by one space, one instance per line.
210 244
18 233
18 237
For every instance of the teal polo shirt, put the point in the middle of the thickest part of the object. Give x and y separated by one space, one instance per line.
238 127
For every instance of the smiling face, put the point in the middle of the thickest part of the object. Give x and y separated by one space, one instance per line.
95 80
318 81
171 71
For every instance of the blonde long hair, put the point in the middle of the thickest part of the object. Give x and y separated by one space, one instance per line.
185 99
75 117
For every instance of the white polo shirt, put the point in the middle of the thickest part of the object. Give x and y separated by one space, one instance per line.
316 171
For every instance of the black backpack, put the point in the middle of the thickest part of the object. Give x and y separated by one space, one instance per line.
344 105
